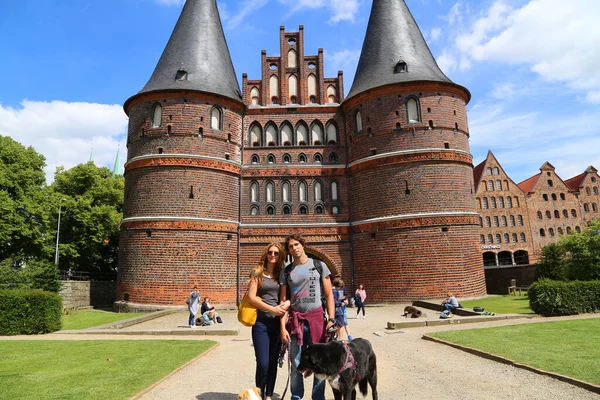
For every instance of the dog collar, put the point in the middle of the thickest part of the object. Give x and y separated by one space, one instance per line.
350 362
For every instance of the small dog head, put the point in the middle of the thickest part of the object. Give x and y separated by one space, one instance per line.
250 394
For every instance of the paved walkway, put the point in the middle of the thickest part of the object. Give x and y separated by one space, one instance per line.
408 367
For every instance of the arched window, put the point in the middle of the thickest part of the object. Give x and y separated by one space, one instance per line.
330 94
577 229
216 119
503 219
489 170
507 238
511 220
553 196
573 213
556 214
318 191
493 202
302 158
335 210
270 191
490 238
358 121
292 59
501 202
302 210
254 210
514 238
520 220
540 215
586 207
588 191
595 190
331 133
255 135
498 185
485 203
491 185
545 197
270 210
254 96
522 237
548 215
287 210
594 207
498 238
317 134
253 192
565 213
413 110
480 221
286 158
334 191
496 171
292 87
508 202
312 86
286 191
542 232
496 224
560 230
286 135
270 159
255 159
333 158
302 191
301 135
550 183
319 209
488 222
274 86
551 231
569 230
482 239
318 158
562 196
157 116
271 135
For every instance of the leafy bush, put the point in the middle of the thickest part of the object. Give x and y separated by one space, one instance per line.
41 275
29 312
550 298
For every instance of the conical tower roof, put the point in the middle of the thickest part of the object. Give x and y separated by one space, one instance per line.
196 56
392 39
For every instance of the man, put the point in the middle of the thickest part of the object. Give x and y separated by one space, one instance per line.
193 303
304 324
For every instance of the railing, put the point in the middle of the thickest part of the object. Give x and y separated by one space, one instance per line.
87 276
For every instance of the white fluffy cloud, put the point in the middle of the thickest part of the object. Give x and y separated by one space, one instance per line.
65 133
169 2
341 10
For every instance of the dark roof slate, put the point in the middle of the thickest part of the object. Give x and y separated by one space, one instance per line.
198 47
392 37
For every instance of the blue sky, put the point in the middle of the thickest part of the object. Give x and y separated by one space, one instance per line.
532 67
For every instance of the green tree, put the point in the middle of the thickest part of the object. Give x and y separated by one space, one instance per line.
583 253
91 217
25 204
552 264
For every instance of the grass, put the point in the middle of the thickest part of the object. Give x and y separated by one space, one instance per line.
107 369
565 347
83 319
501 304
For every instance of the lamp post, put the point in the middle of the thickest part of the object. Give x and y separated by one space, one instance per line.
58 231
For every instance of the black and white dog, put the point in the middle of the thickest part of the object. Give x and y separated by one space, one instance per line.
344 365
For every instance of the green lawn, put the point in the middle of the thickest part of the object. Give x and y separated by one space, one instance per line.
566 347
100 369
501 304
88 318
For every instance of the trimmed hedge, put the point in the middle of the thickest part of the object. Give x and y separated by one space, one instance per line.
29 312
550 298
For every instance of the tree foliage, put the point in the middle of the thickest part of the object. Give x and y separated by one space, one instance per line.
574 257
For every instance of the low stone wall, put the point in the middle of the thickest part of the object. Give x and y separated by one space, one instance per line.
82 294
498 278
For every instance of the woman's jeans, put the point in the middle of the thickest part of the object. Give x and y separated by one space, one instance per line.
297 380
265 337
192 320
449 307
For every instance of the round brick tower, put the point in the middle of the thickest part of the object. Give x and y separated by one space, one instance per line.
415 228
184 163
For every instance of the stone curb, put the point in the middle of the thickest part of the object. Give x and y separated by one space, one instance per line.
453 321
145 391
134 321
584 385
155 332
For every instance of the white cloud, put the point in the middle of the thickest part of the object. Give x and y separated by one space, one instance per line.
434 34
341 10
344 60
558 42
248 8
169 3
66 132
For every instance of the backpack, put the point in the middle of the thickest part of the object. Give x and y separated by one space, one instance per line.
445 314
319 267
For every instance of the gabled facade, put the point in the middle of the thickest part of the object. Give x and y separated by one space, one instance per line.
505 234
554 209
586 186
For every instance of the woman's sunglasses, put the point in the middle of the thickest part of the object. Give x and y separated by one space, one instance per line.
273 253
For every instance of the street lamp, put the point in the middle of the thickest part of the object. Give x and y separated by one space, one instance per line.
58 231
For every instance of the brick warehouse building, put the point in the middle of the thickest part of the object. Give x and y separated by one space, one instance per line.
381 182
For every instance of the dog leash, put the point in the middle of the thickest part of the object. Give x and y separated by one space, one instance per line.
285 348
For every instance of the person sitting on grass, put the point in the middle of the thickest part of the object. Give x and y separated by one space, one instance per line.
450 303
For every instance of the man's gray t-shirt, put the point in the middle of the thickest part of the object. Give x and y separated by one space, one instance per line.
305 285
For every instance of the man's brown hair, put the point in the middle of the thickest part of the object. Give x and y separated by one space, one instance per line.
296 236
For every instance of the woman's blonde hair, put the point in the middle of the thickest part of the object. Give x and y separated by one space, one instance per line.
257 272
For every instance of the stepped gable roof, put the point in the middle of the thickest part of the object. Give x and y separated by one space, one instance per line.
393 38
528 184
196 56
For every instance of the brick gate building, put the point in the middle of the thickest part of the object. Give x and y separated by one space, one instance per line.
380 182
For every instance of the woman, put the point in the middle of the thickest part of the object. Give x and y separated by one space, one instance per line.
263 291
340 296
359 299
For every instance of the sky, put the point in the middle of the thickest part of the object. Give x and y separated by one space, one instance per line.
532 67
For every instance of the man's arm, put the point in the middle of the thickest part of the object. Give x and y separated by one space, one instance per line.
329 295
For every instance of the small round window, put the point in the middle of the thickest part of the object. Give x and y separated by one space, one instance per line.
292 41
312 65
273 66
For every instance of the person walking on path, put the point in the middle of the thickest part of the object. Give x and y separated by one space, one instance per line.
340 296
304 324
359 299
263 291
193 303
